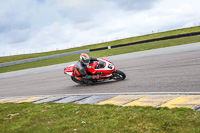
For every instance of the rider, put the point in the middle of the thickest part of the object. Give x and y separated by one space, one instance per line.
81 66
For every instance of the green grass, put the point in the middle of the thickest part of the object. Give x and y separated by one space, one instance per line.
108 52
111 43
56 118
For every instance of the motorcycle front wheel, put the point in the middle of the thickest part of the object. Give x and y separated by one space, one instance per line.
118 75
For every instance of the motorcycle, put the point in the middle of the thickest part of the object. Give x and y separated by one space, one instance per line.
102 67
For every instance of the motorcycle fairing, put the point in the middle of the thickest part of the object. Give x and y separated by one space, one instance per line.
69 70
105 70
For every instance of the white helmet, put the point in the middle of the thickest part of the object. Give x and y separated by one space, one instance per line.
85 59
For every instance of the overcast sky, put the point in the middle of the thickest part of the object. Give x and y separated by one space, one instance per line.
44 25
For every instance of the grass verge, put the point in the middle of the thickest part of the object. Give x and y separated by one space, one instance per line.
108 52
111 43
52 117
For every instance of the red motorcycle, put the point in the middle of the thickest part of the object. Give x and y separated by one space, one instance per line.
103 67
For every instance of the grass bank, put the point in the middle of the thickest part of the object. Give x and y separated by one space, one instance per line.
108 52
111 43
52 117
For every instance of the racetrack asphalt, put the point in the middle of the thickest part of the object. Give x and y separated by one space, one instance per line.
172 69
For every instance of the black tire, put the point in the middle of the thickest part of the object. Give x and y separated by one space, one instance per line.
118 75
76 80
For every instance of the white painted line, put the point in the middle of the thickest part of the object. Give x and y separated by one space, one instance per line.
28 96
134 93
119 93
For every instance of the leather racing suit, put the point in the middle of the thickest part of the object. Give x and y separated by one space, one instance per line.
80 73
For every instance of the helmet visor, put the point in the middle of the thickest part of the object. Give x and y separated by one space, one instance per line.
86 61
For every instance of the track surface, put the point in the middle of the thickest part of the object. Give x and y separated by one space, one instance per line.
176 72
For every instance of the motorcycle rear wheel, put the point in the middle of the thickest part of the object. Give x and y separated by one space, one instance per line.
118 75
